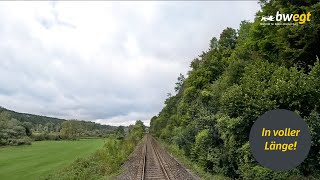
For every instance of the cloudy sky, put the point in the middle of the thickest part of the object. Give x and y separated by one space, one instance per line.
108 62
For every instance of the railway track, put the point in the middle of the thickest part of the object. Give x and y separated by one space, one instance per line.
151 162
153 167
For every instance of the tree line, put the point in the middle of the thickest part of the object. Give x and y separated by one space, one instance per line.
19 128
244 73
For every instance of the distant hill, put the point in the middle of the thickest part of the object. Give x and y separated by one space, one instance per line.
20 128
34 119
43 120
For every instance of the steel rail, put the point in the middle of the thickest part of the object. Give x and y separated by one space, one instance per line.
160 161
144 161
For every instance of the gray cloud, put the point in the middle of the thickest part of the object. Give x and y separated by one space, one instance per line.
109 62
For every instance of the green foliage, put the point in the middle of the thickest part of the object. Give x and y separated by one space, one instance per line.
101 164
137 132
114 153
227 39
19 128
105 162
200 147
81 169
45 136
288 45
35 123
213 43
311 164
245 73
179 83
75 129
120 133
70 129
12 131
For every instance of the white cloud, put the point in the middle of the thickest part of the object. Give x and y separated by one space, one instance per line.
110 62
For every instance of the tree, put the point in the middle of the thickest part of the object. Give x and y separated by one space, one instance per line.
179 83
70 129
227 39
138 130
120 134
12 131
213 43
27 126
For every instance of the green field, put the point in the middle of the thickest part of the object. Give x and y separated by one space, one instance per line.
42 158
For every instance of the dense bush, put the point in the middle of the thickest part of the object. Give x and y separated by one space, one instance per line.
45 136
12 131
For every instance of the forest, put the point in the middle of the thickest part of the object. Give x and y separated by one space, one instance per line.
19 128
244 73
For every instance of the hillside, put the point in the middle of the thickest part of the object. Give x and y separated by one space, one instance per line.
244 73
34 119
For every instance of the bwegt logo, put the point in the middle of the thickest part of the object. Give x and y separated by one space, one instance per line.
301 18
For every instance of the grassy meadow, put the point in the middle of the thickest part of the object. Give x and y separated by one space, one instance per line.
42 158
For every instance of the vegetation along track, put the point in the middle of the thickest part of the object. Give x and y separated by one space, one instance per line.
150 161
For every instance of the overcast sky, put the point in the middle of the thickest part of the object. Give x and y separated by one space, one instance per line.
108 62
